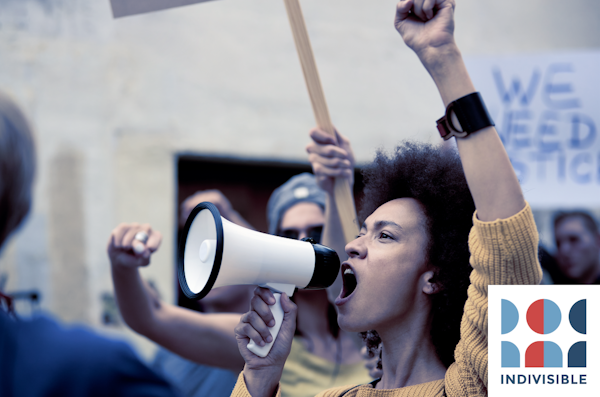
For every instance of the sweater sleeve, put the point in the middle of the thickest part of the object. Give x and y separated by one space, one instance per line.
240 389
502 252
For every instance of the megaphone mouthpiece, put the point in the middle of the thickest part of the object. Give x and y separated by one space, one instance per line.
327 266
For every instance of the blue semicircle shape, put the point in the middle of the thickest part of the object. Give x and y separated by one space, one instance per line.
577 316
510 316
577 355
510 355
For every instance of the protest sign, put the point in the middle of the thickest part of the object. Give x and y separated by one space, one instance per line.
547 111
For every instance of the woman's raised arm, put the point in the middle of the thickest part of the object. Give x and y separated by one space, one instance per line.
427 27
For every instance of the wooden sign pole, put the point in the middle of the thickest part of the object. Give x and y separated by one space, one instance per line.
342 192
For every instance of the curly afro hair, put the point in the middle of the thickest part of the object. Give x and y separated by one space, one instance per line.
433 176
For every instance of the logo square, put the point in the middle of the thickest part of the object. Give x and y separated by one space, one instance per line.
543 339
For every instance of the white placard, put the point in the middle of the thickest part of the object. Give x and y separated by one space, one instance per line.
547 111
123 8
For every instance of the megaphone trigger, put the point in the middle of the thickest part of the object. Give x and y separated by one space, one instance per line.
277 289
277 311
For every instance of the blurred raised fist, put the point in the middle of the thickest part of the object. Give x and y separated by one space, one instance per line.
132 244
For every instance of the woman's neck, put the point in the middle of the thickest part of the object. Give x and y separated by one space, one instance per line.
312 313
409 356
313 325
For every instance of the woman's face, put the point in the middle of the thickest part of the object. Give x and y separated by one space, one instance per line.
386 273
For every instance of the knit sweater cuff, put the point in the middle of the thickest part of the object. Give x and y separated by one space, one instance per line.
240 389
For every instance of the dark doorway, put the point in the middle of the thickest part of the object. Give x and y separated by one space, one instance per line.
247 183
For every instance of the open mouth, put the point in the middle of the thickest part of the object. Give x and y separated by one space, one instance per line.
349 281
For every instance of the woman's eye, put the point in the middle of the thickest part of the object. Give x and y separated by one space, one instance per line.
385 235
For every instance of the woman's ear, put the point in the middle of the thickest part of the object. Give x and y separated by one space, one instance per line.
430 286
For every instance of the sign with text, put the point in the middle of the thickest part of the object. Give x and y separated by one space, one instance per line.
547 111
123 8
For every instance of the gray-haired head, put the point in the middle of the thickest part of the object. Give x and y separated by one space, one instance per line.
300 188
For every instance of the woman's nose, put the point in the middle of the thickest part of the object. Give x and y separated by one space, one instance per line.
355 248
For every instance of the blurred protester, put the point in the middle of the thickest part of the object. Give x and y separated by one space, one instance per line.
552 274
203 365
39 357
577 248
219 200
322 354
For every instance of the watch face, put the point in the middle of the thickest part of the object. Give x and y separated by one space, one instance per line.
471 113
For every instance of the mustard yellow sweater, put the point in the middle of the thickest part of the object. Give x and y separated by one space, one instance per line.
502 252
305 374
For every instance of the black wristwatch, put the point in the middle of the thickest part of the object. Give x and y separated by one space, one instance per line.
471 114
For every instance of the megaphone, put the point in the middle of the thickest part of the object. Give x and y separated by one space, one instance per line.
215 252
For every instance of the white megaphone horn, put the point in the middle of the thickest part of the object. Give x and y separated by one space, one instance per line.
215 252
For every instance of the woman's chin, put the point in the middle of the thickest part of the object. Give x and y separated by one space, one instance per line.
347 323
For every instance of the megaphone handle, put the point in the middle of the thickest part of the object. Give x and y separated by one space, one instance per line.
277 311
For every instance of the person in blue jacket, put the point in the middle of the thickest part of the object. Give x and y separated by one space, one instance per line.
38 356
